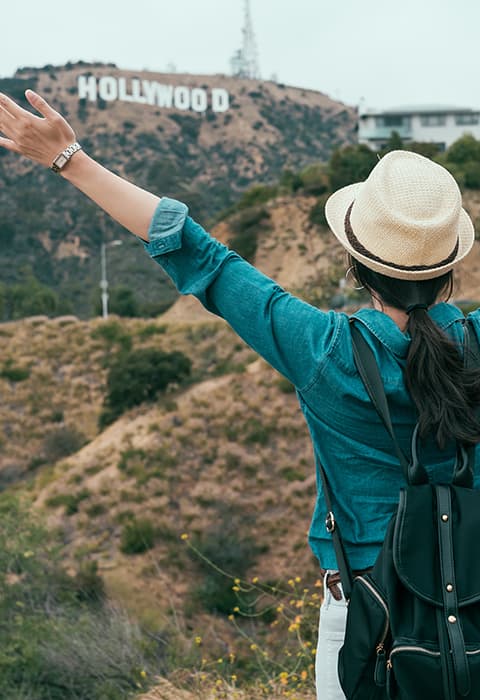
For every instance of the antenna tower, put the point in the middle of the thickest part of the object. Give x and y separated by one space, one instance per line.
244 62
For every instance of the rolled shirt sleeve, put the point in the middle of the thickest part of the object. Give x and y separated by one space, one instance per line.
292 336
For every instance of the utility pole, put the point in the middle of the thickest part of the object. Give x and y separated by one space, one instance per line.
104 281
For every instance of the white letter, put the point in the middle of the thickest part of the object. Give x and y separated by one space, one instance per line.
107 88
220 100
157 93
136 96
87 87
122 91
199 100
182 98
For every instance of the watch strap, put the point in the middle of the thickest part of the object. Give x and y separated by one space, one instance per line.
64 156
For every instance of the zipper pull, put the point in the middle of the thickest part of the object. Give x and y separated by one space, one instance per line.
380 675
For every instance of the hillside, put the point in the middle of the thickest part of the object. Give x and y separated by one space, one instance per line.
205 157
226 456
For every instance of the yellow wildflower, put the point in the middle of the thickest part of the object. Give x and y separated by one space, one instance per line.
184 536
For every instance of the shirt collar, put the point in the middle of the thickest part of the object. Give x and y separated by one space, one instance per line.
389 334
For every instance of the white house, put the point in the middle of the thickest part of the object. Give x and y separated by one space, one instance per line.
436 124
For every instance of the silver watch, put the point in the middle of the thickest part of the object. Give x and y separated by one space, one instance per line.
62 159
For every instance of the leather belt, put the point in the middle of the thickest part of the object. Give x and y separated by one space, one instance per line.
332 579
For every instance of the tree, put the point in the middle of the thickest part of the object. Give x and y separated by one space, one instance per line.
465 149
350 164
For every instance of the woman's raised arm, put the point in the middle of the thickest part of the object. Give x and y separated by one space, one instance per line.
41 139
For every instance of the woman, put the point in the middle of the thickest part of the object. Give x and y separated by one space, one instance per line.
405 230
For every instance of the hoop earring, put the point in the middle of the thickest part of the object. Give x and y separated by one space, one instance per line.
352 267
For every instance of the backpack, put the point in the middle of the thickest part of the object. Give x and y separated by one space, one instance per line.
413 623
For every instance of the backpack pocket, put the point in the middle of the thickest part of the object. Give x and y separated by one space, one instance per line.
362 660
414 672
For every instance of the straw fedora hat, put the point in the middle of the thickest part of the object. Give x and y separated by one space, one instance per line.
405 220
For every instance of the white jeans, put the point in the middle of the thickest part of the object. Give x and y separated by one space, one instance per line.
331 631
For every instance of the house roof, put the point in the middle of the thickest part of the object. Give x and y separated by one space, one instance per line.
421 109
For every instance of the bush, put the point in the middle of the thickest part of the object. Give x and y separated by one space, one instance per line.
32 298
465 149
246 227
472 175
121 301
258 194
137 536
231 556
71 501
316 214
62 442
314 179
138 376
14 373
112 333
61 640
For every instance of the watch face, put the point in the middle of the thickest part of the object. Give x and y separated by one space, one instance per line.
61 160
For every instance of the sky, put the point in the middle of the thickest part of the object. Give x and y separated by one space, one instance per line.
374 54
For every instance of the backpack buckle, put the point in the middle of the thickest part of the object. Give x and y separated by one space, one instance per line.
330 522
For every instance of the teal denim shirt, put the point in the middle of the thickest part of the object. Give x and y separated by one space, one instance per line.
312 348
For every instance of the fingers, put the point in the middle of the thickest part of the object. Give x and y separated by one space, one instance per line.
11 107
41 105
9 145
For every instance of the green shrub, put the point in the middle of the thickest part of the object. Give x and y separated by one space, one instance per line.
285 385
464 150
472 175
246 227
62 442
151 329
121 301
224 556
314 179
316 214
256 195
292 474
14 373
137 536
138 376
61 639
112 333
32 298
71 501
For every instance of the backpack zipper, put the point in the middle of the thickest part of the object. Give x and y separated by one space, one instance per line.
377 595
422 650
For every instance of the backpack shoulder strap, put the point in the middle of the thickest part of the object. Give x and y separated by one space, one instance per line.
471 346
368 369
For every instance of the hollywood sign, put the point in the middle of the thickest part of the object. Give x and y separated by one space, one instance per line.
151 92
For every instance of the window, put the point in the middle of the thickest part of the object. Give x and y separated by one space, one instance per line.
433 119
391 121
462 119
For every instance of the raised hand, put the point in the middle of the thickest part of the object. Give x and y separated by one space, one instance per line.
40 139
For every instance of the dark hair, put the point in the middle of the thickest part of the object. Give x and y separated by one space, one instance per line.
444 392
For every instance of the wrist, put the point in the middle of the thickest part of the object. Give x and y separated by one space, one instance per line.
75 166
63 158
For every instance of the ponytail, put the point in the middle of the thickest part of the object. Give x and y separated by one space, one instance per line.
445 393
